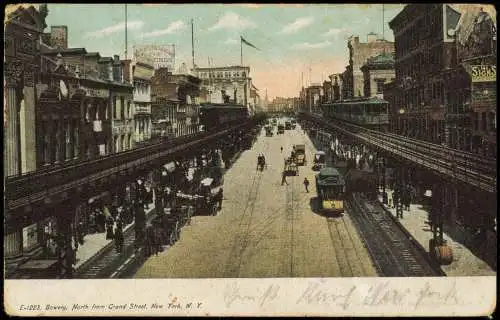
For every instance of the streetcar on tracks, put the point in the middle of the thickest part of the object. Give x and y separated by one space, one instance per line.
330 186
300 154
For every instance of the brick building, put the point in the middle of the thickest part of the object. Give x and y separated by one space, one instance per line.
22 29
377 71
234 81
140 74
179 91
312 97
423 51
359 52
327 92
471 95
336 80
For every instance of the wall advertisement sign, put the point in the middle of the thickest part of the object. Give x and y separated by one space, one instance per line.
483 73
159 56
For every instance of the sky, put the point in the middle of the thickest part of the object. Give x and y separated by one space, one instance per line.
291 38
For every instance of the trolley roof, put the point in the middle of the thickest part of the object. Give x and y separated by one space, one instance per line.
329 176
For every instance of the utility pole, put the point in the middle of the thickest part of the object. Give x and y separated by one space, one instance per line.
192 41
383 22
310 74
209 81
126 44
241 51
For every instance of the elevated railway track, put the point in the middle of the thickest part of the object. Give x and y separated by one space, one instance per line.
450 163
36 187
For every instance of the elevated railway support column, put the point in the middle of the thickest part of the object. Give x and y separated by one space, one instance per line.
66 246
139 214
437 245
381 171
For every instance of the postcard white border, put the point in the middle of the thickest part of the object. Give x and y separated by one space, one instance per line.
460 296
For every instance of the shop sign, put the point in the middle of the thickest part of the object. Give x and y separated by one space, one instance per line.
483 73
96 93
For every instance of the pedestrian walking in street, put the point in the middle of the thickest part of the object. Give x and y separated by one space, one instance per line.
283 178
306 184
281 149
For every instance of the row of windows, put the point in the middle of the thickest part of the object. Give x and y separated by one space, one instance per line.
484 121
125 110
141 88
429 26
60 140
222 74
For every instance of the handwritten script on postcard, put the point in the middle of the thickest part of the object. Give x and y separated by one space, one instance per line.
319 296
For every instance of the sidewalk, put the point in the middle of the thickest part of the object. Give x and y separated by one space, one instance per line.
465 263
97 242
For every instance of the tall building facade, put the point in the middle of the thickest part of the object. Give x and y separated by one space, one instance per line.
424 49
233 81
139 74
22 30
378 71
472 91
179 91
121 97
359 52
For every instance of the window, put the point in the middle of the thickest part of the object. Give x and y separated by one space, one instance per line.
115 112
380 86
129 108
483 121
122 108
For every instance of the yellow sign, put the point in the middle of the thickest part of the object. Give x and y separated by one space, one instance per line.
483 73
332 204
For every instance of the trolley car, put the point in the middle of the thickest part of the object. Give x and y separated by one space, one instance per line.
331 189
372 112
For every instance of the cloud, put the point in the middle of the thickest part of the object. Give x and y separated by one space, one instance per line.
232 20
172 27
365 20
335 32
307 45
131 25
231 41
298 24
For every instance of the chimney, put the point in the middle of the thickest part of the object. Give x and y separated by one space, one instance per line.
116 58
356 40
371 37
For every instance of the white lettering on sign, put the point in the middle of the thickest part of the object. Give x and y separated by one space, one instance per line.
483 73
96 93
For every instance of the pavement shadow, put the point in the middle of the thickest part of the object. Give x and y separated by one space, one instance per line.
481 248
314 203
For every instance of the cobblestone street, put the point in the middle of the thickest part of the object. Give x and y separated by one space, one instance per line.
265 229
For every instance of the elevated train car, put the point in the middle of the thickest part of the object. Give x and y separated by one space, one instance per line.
215 116
372 113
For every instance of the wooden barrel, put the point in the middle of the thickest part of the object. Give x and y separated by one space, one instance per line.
444 254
